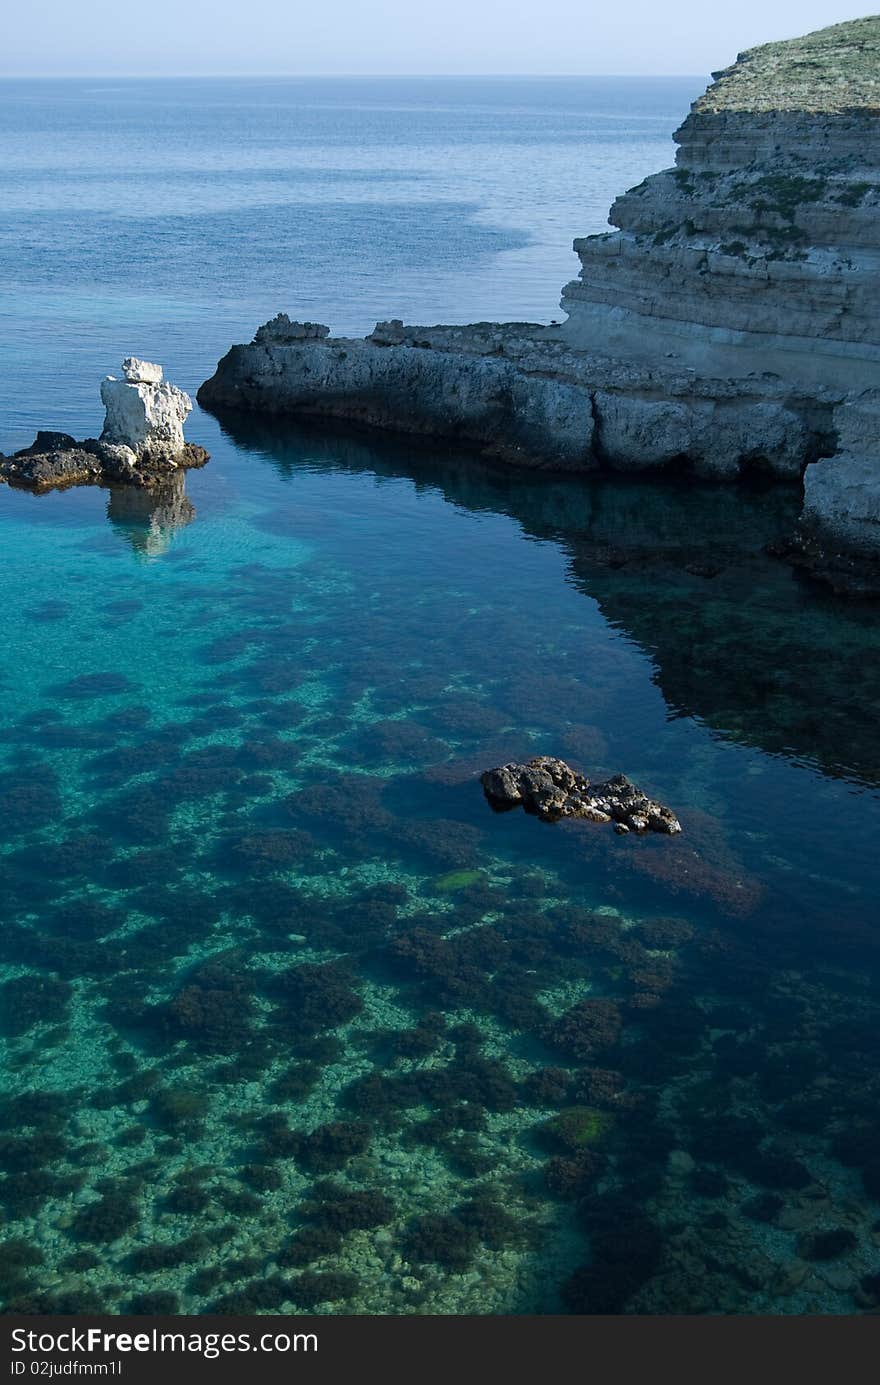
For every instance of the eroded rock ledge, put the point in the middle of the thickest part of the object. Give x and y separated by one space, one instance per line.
729 324
551 789
515 393
142 442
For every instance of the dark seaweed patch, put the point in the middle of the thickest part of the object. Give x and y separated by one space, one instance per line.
107 1219
88 685
29 1000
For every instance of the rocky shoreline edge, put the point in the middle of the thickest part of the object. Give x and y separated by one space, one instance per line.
513 395
727 328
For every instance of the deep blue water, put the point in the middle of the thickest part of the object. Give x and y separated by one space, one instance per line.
291 1021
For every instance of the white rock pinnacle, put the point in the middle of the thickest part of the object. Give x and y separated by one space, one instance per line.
144 412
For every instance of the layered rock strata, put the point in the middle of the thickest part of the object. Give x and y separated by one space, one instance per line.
551 790
729 323
760 249
141 444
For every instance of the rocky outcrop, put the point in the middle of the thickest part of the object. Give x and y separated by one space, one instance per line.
141 444
143 412
53 459
516 394
279 330
841 494
838 537
552 790
442 382
728 324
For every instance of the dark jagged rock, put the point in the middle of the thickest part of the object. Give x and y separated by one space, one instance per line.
93 463
57 466
47 441
552 790
281 329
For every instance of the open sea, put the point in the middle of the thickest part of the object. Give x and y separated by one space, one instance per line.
290 1020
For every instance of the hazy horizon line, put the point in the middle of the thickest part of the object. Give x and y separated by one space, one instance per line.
340 76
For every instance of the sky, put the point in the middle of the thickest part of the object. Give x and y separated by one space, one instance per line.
113 38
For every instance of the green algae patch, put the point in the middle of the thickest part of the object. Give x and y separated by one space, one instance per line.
578 1127
456 880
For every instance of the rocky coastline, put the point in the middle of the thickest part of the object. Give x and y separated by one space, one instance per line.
519 395
727 327
141 444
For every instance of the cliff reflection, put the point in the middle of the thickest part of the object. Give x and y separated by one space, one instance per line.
736 638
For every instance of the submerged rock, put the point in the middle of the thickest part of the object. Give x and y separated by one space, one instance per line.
141 444
552 790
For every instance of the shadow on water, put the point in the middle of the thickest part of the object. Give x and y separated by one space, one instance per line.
737 639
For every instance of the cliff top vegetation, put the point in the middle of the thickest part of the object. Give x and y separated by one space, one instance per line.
834 70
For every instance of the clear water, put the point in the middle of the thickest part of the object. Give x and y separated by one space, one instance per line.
291 1021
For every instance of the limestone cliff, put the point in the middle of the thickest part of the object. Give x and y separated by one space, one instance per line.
730 323
761 248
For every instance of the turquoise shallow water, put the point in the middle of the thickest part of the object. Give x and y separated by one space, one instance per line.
266 946
291 1021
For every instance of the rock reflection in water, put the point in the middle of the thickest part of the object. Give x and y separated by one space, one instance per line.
736 639
149 519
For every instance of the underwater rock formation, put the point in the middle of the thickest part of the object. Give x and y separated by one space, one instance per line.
729 323
141 444
552 790
681 570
